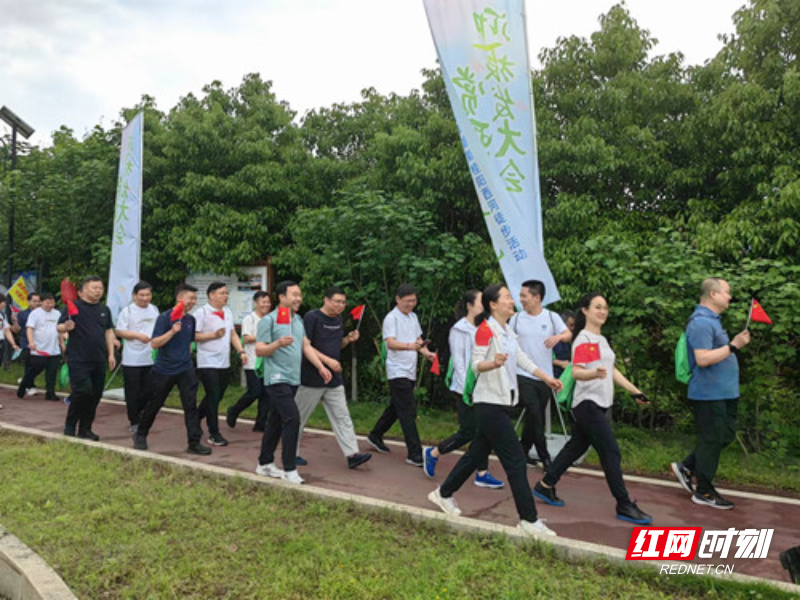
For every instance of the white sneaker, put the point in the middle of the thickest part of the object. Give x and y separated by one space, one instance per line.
536 528
269 470
293 477
448 505
31 392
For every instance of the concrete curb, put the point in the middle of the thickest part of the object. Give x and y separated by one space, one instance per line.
25 576
563 547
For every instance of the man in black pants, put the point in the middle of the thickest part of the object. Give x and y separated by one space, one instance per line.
255 385
172 337
538 331
41 337
91 348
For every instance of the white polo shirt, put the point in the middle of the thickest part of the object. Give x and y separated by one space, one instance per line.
215 353
138 320
45 333
531 334
405 329
250 327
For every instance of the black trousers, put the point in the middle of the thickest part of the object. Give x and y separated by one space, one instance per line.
255 391
495 430
715 425
467 428
534 395
160 386
135 381
86 383
402 407
283 424
215 382
35 365
592 427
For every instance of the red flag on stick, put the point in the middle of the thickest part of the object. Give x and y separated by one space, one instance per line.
68 291
586 353
177 312
72 310
484 335
435 368
284 315
758 314
358 312
14 309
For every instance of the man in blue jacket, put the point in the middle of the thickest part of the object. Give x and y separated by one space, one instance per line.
713 392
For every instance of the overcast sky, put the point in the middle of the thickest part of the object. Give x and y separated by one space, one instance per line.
79 62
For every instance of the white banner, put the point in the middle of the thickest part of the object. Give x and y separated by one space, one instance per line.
126 239
483 52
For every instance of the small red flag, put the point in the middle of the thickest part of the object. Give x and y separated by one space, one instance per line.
586 353
14 309
758 314
358 312
284 315
484 334
177 312
435 368
68 291
72 310
220 314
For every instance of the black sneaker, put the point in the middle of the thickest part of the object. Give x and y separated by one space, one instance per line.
216 439
713 500
21 392
547 495
89 435
230 418
300 461
258 428
628 511
790 560
139 442
358 459
415 461
377 443
198 448
69 430
52 398
683 475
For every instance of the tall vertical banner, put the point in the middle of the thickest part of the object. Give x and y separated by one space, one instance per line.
483 52
126 239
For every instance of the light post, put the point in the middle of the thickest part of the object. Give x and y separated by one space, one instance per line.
17 125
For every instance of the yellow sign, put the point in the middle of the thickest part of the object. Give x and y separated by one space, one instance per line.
19 293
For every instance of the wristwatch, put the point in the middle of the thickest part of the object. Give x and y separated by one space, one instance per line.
733 349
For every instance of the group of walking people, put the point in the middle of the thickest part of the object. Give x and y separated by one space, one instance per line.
499 359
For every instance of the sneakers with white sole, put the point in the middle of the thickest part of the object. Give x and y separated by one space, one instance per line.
448 505
293 477
537 528
269 470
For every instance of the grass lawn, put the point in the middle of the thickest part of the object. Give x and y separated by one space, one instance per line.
643 452
124 527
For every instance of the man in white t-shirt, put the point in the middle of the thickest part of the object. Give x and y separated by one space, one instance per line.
403 338
538 331
45 352
214 336
255 384
135 325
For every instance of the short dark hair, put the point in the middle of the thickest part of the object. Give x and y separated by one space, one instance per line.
2 297
259 295
47 296
535 287
406 289
90 279
32 294
215 286
333 290
283 286
142 285
184 287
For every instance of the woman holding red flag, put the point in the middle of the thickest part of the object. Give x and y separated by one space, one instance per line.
595 375
495 358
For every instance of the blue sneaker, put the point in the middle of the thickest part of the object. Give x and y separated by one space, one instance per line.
430 462
487 481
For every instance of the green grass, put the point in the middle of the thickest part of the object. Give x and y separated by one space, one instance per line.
643 452
124 527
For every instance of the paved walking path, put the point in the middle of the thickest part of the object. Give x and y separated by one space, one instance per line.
589 515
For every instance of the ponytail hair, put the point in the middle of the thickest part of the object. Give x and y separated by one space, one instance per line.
462 306
490 294
580 317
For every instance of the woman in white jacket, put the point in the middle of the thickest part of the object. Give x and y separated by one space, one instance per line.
495 358
462 341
